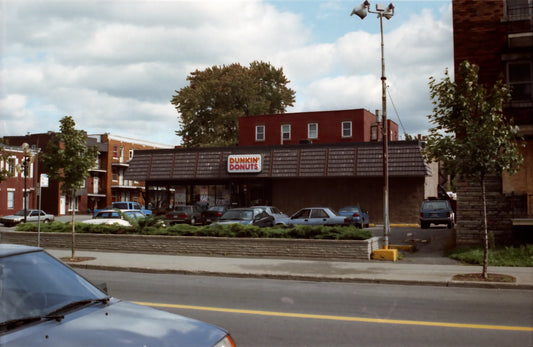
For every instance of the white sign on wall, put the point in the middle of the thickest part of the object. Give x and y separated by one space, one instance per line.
244 163
44 181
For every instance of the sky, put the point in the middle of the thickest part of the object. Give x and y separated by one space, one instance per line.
114 65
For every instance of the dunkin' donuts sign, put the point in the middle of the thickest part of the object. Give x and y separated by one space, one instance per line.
244 163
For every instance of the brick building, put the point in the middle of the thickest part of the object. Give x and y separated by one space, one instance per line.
324 169
497 35
105 182
340 126
19 181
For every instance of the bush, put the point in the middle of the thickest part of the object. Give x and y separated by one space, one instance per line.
153 226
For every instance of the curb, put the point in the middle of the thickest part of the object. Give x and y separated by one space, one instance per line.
450 283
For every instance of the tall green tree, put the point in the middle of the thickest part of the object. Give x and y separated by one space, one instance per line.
470 134
209 108
67 160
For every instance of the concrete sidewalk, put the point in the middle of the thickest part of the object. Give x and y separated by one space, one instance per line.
312 270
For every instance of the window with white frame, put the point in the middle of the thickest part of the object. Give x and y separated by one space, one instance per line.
347 129
260 133
312 130
520 80
285 132
10 198
11 165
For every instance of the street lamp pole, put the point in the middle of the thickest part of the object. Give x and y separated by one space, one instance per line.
26 161
387 12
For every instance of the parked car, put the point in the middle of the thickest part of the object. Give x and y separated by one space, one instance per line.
190 214
246 216
43 300
360 218
110 217
279 216
32 216
213 213
125 205
317 216
434 211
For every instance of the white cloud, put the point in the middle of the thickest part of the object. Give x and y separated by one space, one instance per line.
114 65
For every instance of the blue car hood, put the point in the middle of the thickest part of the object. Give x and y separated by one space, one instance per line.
119 323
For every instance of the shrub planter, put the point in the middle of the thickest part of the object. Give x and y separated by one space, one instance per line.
203 246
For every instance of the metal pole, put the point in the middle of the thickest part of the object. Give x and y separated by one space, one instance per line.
39 219
25 189
386 225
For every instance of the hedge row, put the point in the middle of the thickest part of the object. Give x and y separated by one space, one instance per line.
213 230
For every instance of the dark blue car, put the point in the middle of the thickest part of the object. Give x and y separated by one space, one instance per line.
360 218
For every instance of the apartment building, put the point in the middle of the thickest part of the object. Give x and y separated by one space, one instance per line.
497 35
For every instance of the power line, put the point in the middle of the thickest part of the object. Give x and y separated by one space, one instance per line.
396 111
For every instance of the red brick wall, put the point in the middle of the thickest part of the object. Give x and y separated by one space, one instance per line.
479 36
329 127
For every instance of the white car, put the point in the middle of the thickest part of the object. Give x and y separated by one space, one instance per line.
110 217
32 216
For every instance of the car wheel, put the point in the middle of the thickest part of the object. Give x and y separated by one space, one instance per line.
46 221
450 225
193 221
360 225
424 225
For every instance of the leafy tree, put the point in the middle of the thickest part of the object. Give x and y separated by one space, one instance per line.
67 160
209 108
471 136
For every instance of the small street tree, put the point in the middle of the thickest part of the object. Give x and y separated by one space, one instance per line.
471 136
67 160
209 108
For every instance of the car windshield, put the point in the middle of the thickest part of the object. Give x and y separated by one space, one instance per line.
20 213
110 214
434 205
36 284
238 215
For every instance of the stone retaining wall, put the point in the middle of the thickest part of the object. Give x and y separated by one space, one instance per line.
202 246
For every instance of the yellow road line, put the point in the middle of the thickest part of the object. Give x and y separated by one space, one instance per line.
341 318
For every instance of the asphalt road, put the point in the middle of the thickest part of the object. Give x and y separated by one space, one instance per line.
262 312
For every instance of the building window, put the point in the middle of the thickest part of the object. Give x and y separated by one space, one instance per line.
10 199
115 152
131 154
518 9
312 130
285 132
346 129
374 133
520 79
260 133
11 165
121 154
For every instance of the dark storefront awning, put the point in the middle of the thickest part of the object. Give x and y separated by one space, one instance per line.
362 159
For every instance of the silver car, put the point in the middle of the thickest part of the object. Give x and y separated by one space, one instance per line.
43 301
32 216
317 216
279 216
